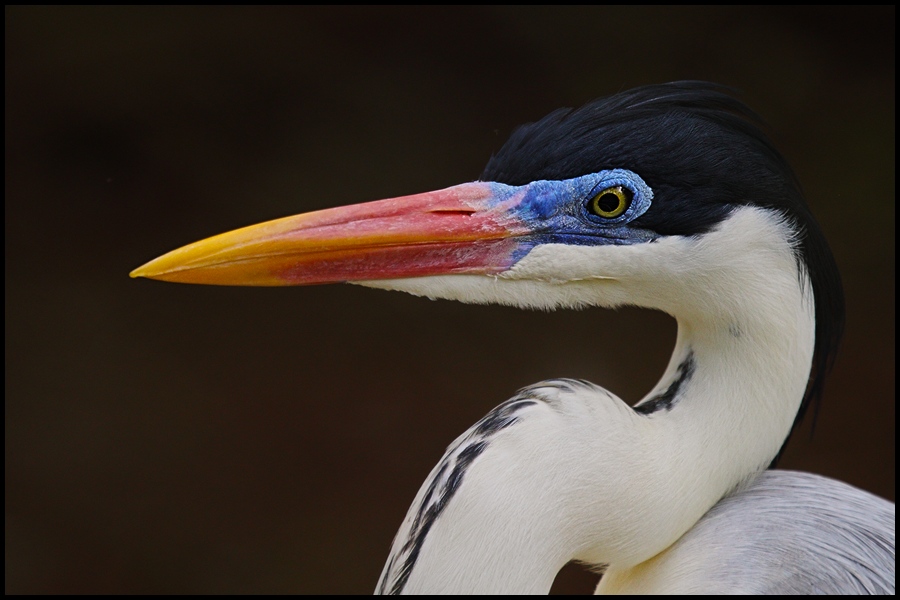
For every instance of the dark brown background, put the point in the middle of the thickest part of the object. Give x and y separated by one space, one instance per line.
165 438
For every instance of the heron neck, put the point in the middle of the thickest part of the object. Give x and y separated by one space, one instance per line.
568 471
723 408
575 473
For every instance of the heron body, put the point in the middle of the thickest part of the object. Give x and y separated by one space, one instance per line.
666 197
783 533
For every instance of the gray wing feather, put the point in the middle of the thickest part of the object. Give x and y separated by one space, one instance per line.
785 532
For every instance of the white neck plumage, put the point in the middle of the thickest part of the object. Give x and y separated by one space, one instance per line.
568 471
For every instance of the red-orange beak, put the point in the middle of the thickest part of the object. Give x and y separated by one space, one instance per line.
469 228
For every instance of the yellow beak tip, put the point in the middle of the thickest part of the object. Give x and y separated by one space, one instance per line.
144 271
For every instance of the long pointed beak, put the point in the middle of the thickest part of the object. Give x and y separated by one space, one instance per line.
469 228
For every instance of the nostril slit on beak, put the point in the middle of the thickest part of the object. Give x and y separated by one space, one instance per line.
453 211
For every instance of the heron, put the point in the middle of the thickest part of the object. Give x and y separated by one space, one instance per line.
668 197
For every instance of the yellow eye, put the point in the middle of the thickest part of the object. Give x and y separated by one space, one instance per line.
611 202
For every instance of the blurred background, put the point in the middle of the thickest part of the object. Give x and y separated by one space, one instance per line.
178 439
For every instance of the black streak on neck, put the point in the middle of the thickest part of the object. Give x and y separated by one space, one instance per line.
440 489
666 400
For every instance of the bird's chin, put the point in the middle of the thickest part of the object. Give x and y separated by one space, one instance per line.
498 289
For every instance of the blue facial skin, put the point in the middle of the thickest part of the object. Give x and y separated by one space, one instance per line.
557 211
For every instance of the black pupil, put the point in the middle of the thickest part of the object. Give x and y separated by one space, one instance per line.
608 202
